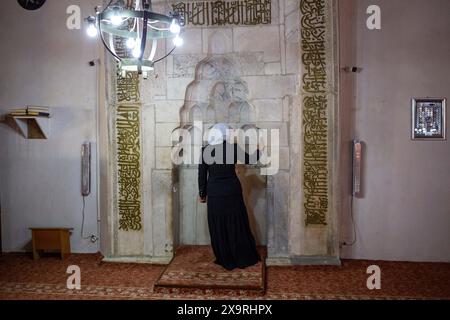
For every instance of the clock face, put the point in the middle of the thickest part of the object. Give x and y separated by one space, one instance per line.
31 4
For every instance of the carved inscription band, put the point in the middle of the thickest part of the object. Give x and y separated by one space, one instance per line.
128 149
219 13
129 167
315 111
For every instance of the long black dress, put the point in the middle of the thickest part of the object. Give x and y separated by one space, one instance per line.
231 238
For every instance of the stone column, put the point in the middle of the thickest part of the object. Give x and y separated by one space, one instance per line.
312 227
138 223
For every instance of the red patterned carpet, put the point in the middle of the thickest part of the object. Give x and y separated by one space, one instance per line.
23 278
193 267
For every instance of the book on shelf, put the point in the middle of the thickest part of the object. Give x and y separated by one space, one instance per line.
40 114
18 110
38 109
30 111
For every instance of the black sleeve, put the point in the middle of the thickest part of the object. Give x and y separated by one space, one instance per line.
244 157
202 177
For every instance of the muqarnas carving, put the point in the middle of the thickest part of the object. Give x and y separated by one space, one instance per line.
217 94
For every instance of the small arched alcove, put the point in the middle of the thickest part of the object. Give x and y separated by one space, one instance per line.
217 94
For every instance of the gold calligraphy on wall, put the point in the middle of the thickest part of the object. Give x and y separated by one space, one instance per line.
128 145
315 115
129 167
219 13
128 87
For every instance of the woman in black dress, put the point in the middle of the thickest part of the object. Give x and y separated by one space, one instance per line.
231 238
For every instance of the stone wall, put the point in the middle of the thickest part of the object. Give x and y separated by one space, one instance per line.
262 64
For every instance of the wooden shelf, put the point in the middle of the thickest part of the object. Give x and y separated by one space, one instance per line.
30 127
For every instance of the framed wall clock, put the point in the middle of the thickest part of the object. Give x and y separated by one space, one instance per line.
31 4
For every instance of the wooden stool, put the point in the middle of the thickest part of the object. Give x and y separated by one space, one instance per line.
51 239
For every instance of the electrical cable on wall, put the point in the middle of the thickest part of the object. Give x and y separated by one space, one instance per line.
86 184
82 221
353 224
96 64
97 148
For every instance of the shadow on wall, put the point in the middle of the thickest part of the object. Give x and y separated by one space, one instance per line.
28 246
254 191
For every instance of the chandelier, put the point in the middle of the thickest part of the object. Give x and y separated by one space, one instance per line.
135 24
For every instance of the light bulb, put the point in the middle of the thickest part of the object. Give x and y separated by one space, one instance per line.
91 30
136 52
178 41
116 19
131 43
175 27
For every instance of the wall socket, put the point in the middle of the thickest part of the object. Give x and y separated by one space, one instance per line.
94 238
352 69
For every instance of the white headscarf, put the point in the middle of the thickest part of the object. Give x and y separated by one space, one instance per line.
219 133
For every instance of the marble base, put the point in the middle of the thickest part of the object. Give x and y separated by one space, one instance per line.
139 259
303 261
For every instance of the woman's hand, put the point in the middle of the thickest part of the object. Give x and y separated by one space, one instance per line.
202 200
